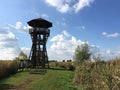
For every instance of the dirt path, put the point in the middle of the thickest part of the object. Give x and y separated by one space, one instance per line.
53 79
25 85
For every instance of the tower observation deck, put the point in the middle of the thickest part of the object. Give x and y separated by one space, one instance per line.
39 34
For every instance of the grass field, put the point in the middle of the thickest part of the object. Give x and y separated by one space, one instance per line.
87 76
51 80
98 75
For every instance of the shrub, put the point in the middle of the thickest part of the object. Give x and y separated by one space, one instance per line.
13 67
7 68
53 64
64 65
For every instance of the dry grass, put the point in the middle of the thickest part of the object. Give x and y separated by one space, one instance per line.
7 68
64 65
98 75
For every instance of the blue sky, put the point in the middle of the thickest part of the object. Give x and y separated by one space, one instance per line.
74 21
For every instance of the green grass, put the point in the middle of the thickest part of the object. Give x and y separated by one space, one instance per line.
54 80
51 80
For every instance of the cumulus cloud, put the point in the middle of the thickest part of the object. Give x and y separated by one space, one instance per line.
26 50
63 46
81 4
64 6
61 5
109 54
18 26
113 35
9 48
105 54
66 33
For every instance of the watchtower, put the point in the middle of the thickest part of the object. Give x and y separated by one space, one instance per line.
39 34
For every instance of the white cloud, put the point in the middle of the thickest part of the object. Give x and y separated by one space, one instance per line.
44 15
94 49
104 33
61 5
108 51
64 6
58 37
18 26
9 48
66 33
54 3
63 46
113 35
109 54
81 4
26 50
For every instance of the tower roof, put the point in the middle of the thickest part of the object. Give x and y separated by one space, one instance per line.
40 22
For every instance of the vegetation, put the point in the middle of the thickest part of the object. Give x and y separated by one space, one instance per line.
21 56
52 80
82 54
7 68
98 75
63 65
11 66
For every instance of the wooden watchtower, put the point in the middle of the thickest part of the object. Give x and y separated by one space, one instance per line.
39 34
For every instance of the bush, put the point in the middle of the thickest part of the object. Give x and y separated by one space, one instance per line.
7 68
13 67
64 65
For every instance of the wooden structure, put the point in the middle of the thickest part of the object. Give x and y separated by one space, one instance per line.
39 34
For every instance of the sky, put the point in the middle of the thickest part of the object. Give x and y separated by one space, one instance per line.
96 22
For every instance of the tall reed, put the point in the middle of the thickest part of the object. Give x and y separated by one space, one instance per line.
98 75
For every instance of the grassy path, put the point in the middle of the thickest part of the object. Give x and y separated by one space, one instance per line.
52 80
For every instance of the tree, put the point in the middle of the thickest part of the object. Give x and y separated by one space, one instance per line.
22 56
82 53
97 57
